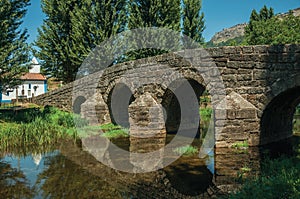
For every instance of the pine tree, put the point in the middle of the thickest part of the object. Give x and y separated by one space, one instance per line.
193 20
153 13
265 13
13 47
95 22
55 42
251 31
72 29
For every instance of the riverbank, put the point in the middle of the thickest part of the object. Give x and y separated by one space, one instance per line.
36 127
279 178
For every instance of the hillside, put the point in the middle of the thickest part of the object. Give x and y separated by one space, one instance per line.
237 32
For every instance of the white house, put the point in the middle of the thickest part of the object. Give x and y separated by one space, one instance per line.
33 84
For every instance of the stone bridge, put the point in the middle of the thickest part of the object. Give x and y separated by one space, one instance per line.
254 89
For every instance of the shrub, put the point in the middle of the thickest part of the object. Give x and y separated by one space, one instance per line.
279 179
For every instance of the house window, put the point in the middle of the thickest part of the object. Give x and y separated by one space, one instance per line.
7 93
29 86
29 93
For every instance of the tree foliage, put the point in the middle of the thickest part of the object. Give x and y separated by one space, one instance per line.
265 28
55 42
13 47
193 20
148 14
72 29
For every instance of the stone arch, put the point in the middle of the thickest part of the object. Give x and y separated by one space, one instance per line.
170 102
77 104
277 117
118 101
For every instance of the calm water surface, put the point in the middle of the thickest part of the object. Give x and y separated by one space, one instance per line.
67 171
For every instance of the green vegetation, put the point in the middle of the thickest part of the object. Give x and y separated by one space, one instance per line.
116 133
86 131
109 127
37 127
13 47
148 14
193 20
246 169
205 112
72 29
186 150
265 28
279 178
238 41
240 145
109 131
113 131
296 121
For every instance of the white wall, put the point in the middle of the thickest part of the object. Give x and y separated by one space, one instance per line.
35 69
28 87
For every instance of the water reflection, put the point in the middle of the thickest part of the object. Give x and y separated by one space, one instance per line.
189 175
65 179
70 172
13 183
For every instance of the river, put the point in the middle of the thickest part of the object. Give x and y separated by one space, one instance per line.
69 171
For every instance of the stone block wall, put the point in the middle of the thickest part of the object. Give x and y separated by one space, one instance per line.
252 78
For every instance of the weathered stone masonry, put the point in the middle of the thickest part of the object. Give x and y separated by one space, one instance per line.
262 85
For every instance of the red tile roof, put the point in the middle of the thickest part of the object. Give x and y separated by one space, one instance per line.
33 76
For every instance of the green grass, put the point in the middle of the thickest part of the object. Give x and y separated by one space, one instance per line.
113 131
37 127
186 150
87 131
109 126
279 179
116 133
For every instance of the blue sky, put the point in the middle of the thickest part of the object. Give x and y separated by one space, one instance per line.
219 14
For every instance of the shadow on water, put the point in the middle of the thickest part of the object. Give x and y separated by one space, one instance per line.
189 175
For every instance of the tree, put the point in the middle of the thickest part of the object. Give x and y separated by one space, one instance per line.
153 13
55 42
95 22
250 30
13 47
72 29
270 29
193 20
